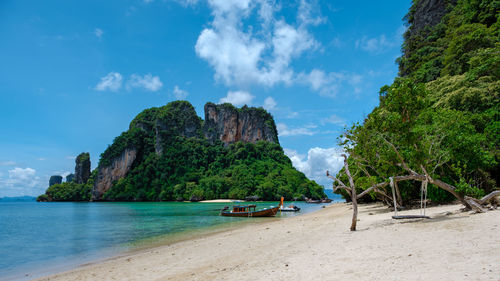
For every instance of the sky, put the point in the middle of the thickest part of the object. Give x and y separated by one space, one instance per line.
73 74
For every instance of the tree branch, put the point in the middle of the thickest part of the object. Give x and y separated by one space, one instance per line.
488 197
341 184
372 188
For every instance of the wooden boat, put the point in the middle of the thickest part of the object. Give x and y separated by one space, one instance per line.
290 208
248 211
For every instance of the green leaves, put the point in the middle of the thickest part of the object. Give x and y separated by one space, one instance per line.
193 168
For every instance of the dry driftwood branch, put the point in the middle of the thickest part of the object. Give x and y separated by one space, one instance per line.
475 205
490 196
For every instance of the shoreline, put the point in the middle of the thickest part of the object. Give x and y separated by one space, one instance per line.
318 245
201 221
222 201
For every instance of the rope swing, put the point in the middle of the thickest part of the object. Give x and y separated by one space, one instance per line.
423 202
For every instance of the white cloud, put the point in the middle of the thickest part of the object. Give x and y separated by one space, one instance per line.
309 13
98 32
147 82
41 159
292 115
381 43
330 84
374 45
112 82
7 163
317 162
269 103
179 93
63 174
284 131
334 119
242 55
71 157
237 98
22 177
185 3
21 174
21 181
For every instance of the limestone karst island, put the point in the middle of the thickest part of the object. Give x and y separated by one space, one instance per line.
170 154
250 140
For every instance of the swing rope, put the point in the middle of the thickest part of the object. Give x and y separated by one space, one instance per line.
423 202
423 197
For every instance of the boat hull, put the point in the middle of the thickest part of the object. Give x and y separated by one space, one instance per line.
271 212
289 210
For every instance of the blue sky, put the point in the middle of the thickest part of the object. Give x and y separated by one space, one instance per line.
73 74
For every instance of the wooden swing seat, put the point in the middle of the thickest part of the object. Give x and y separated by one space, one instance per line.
410 217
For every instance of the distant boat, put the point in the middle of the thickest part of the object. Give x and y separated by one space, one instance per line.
249 211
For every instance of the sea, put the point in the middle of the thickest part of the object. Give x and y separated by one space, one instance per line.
38 239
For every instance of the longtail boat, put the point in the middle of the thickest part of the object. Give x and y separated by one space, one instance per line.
249 211
290 208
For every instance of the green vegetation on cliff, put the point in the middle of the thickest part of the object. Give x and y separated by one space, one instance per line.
171 158
443 114
69 191
193 169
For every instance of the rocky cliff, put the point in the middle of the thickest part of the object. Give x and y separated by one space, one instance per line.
427 13
118 169
154 129
70 177
82 168
229 124
56 179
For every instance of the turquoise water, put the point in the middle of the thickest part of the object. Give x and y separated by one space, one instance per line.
41 238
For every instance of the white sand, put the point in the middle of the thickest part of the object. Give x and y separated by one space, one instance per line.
319 246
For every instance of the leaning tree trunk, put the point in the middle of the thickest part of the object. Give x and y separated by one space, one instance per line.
354 197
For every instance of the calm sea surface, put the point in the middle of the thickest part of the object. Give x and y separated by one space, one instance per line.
42 238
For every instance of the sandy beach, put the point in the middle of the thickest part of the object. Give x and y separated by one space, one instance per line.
453 245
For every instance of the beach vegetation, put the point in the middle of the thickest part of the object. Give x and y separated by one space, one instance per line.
439 121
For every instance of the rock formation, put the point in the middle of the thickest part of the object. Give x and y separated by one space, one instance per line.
428 13
117 170
222 122
229 124
70 177
186 124
56 179
82 168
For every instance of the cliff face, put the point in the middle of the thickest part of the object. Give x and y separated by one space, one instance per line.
175 119
70 177
229 124
82 168
181 121
55 180
159 126
427 13
117 170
